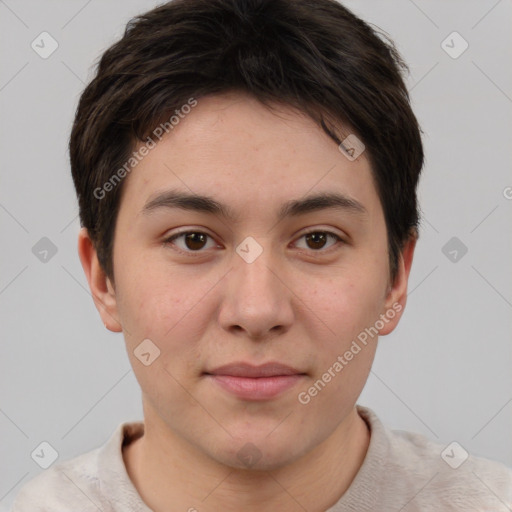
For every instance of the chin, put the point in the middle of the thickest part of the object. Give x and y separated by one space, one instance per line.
258 454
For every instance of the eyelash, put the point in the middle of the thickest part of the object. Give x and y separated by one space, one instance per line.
170 240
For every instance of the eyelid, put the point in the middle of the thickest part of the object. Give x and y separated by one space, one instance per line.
328 231
168 240
339 239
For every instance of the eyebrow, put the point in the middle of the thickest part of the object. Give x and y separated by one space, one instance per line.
292 208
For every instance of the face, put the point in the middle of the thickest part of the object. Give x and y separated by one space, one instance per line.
255 274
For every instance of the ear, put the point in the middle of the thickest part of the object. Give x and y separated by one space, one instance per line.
396 298
102 290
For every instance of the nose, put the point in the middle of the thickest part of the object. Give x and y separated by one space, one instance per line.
257 299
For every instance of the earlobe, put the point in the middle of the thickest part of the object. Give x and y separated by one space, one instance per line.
102 290
397 294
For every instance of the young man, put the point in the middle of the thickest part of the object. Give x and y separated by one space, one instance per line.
246 172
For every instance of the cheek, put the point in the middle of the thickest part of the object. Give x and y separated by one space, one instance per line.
168 307
348 304
151 294
144 302
345 351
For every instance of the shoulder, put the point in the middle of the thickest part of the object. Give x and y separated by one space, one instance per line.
73 482
452 476
81 483
434 476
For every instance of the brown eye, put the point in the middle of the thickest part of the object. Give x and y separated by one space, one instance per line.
195 241
190 241
317 240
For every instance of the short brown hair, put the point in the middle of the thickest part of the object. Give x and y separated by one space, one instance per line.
314 55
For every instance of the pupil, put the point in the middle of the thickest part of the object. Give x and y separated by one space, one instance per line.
197 240
194 238
317 238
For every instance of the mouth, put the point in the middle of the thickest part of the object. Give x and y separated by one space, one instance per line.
252 382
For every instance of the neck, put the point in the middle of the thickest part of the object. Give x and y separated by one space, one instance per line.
313 482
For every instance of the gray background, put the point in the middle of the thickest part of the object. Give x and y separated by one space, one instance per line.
446 370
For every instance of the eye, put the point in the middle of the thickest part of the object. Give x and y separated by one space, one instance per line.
316 240
190 241
195 241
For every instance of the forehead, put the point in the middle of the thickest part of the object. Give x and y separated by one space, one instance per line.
232 147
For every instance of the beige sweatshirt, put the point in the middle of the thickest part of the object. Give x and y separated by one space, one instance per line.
402 472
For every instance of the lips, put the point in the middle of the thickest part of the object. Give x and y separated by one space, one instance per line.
241 369
255 383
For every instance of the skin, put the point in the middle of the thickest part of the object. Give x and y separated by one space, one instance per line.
300 303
